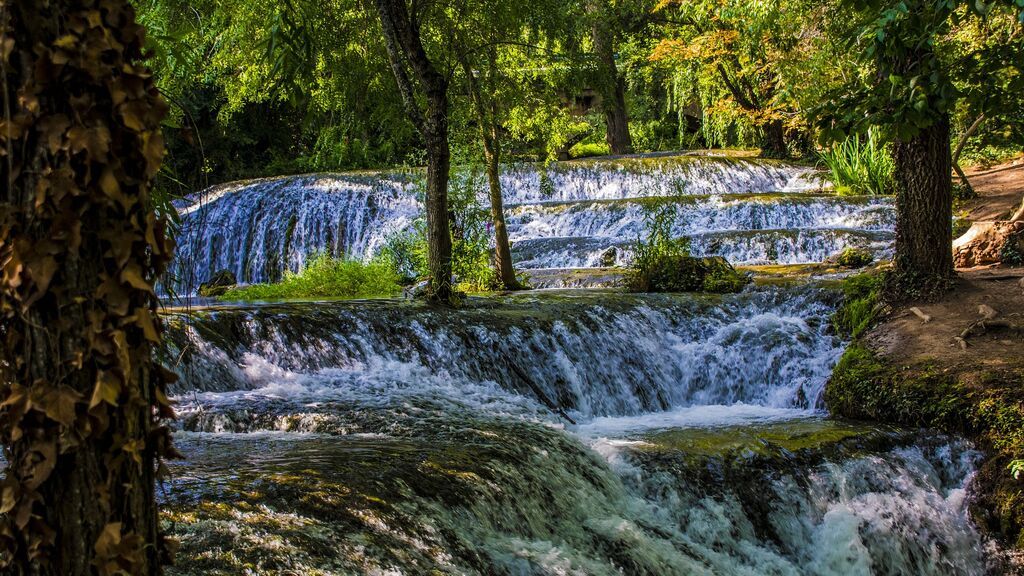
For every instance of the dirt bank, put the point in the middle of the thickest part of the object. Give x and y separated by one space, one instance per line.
917 367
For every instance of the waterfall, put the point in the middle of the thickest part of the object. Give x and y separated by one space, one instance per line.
560 432
563 215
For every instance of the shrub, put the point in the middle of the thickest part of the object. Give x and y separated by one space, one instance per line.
662 263
860 165
326 277
854 258
472 255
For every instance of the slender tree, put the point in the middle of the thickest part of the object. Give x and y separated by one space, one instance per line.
485 106
80 249
402 29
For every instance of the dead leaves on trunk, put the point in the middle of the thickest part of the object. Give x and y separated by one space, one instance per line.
80 251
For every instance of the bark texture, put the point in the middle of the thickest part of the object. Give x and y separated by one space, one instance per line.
773 141
405 51
612 85
80 250
487 118
924 208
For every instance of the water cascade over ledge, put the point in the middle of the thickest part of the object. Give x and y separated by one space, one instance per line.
566 215
552 433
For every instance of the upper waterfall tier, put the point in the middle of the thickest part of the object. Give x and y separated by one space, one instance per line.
259 230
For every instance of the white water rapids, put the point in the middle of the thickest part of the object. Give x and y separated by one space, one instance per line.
576 432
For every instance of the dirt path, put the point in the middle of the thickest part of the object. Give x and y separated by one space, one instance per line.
1000 191
906 336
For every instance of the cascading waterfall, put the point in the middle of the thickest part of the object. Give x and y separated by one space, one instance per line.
554 432
551 433
565 215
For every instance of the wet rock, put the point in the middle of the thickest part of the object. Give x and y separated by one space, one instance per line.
987 243
609 257
851 258
417 291
218 284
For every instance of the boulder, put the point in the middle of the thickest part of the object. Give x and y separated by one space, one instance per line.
609 257
851 258
218 284
417 291
988 243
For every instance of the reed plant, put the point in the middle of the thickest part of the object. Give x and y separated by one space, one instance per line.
860 165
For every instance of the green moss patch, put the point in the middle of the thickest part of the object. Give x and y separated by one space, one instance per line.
989 411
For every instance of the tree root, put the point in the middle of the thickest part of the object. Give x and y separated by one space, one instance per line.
984 326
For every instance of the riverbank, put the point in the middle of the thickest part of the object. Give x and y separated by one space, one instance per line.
935 365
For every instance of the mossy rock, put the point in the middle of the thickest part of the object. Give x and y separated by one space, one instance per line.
853 258
678 273
867 386
218 284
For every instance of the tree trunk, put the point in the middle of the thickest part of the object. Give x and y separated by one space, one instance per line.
439 232
924 209
502 249
773 142
960 148
612 86
81 396
405 51
487 119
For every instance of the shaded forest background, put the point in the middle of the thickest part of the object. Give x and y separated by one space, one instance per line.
271 88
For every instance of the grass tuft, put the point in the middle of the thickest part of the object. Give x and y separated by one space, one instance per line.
860 166
326 277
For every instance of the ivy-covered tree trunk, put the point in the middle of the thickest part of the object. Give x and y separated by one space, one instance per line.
924 209
80 250
405 51
612 86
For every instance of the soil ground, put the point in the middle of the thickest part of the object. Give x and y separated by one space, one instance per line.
999 189
905 336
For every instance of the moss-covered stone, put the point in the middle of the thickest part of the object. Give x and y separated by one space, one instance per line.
218 285
854 258
681 273
868 386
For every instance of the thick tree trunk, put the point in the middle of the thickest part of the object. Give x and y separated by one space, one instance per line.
80 250
439 232
406 52
924 209
612 86
773 141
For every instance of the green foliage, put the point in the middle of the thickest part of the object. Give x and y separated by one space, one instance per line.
326 277
662 263
860 166
588 150
472 255
906 44
862 297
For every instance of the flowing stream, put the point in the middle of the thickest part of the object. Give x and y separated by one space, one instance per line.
558 432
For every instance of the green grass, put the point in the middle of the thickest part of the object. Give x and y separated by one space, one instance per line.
591 149
860 166
326 277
